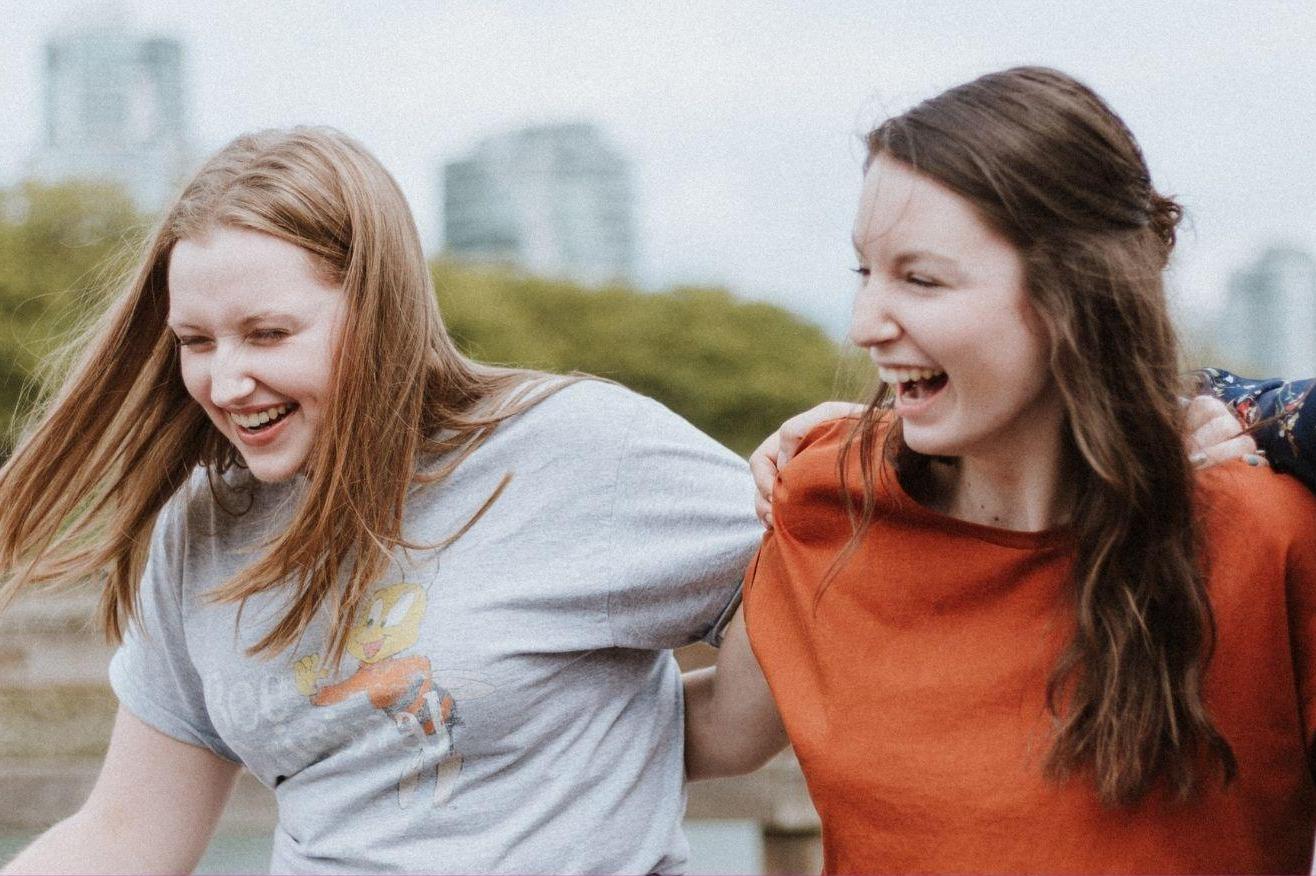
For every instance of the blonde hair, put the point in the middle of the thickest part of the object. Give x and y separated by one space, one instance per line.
81 492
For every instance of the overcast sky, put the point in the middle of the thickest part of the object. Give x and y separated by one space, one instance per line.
743 118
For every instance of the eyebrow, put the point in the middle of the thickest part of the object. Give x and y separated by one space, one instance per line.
246 322
915 255
922 255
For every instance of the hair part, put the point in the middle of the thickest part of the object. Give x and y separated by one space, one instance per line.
1050 166
82 490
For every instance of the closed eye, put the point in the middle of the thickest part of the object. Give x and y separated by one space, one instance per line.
863 272
191 340
267 335
921 280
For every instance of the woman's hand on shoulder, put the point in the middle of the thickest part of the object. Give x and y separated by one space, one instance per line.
778 448
1215 434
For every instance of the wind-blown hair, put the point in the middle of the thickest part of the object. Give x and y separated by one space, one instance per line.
82 490
1051 167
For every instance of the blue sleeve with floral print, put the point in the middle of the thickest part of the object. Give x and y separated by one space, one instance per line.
1289 436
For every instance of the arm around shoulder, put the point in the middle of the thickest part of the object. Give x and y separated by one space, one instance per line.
732 725
153 809
1282 415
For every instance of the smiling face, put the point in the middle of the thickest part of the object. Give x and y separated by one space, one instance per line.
390 623
942 310
257 328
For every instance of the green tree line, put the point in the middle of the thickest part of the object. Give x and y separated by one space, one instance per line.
734 368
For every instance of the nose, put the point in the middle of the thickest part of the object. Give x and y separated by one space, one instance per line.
871 320
230 380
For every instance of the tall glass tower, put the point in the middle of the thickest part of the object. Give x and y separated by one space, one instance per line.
553 200
115 110
1270 315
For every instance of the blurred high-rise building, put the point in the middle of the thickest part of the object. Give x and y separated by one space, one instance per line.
115 110
1270 316
552 200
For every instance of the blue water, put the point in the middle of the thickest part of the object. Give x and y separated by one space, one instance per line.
716 848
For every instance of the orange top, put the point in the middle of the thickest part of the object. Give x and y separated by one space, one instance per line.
914 694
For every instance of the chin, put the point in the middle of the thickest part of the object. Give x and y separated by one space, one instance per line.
271 472
929 443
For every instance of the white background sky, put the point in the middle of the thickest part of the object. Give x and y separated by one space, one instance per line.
742 119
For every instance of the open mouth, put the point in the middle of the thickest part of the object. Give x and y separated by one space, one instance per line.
261 421
914 384
920 389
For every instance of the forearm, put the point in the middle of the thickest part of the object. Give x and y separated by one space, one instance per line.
731 722
153 809
86 843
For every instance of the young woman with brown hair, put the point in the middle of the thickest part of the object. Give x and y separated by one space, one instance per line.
1006 624
412 594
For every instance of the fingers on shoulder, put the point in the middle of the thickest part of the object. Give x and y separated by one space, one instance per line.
1202 409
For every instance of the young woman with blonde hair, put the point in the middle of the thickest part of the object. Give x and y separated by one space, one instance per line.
414 595
1004 621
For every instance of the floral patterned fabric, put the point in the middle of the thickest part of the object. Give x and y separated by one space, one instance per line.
1288 410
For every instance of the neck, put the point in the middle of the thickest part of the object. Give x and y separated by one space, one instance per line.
1021 487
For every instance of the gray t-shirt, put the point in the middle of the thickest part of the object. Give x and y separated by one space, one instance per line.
506 704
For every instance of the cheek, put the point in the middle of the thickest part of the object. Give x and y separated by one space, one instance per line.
313 365
1034 341
195 379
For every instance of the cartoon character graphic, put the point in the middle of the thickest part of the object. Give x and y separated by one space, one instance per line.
402 687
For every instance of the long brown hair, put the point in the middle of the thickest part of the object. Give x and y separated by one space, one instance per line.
82 490
1049 165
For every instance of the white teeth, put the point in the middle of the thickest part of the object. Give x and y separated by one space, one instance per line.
905 375
251 421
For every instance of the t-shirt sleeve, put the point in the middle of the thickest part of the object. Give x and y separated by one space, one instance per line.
1286 411
152 672
682 530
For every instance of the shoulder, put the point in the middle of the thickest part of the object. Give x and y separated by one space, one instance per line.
597 417
822 442
586 404
1240 501
810 490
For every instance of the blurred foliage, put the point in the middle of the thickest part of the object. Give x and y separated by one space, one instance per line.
61 247
735 368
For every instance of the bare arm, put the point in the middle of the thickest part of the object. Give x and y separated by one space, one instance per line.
731 722
153 809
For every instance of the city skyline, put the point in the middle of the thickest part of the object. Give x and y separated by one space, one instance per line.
553 200
743 120
115 108
1269 320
